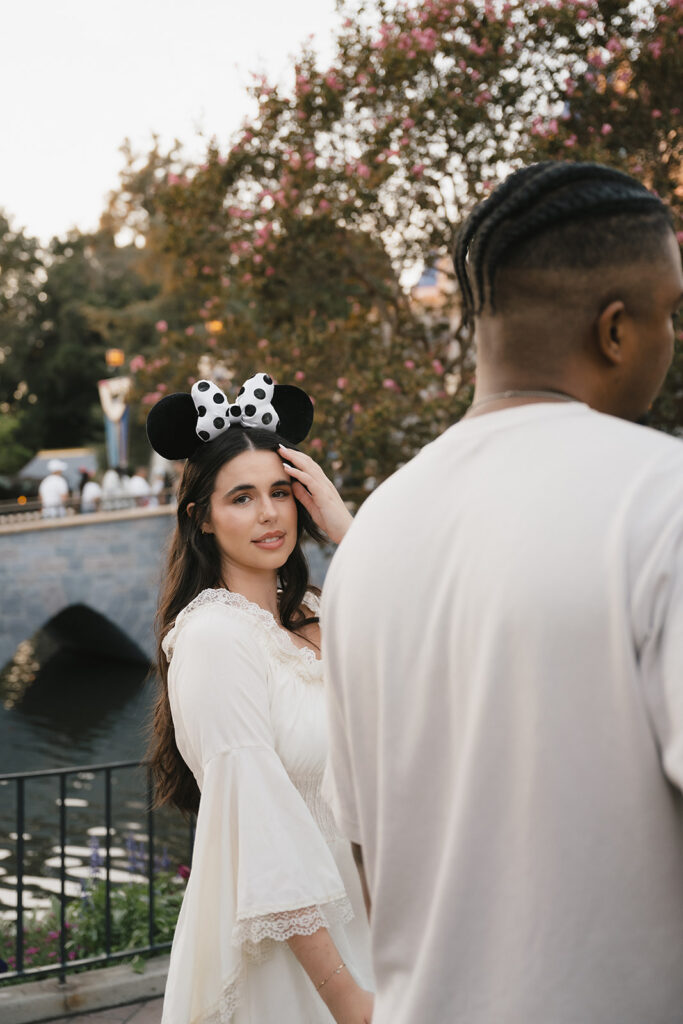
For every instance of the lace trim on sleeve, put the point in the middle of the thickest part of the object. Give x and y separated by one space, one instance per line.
258 934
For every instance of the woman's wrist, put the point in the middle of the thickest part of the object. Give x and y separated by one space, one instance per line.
337 991
341 528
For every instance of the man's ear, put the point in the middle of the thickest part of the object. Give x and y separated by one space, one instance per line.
610 332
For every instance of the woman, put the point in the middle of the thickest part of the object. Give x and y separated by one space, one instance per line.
272 927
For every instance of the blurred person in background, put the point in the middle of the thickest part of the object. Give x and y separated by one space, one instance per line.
54 490
91 492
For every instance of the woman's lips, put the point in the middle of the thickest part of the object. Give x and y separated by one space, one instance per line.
270 542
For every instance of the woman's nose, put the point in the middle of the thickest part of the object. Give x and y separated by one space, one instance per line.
267 510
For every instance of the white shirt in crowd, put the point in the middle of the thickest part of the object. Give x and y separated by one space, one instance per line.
137 487
504 656
53 492
90 496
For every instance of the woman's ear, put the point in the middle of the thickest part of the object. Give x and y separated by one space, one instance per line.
204 527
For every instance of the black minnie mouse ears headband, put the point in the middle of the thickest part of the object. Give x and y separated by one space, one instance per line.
179 423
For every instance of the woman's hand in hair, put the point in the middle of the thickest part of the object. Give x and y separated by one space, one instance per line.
317 494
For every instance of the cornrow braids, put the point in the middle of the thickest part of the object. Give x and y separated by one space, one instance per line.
553 199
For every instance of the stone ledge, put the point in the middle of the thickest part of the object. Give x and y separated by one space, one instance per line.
87 519
101 989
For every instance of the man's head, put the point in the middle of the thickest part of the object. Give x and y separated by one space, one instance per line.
571 273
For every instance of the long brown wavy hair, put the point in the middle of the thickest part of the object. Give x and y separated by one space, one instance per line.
194 564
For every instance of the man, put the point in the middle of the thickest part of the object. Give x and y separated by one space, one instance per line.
504 639
54 490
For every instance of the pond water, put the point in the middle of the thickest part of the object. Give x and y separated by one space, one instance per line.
62 709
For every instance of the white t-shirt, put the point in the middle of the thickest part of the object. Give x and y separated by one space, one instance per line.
53 492
137 487
503 638
90 496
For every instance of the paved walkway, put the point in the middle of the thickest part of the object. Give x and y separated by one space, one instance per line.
136 1013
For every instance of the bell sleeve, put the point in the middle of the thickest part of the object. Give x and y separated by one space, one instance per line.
262 871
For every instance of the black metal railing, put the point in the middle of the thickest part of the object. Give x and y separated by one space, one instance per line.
63 964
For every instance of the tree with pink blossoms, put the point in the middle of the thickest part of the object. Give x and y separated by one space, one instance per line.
290 251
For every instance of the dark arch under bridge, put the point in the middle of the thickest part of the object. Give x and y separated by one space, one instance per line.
58 572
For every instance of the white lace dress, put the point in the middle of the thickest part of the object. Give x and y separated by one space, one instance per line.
249 715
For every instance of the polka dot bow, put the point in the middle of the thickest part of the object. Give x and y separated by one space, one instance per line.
181 423
252 408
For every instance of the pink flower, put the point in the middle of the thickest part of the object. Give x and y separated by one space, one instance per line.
656 48
189 331
679 237
362 170
596 60
173 179
389 384
183 871
262 343
341 383
407 124
316 443
53 935
246 278
437 366
571 141
613 45
161 326
409 364
417 170
151 398
606 129
656 114
211 342
299 375
270 271
357 407
207 270
136 363
324 205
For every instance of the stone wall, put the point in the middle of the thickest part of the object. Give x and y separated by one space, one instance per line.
109 562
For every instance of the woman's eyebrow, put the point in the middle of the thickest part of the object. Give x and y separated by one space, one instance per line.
240 487
251 487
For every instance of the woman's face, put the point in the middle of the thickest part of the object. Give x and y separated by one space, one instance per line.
252 513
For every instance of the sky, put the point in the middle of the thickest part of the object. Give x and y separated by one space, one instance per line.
79 76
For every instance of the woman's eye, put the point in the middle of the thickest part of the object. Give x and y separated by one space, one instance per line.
281 494
241 499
